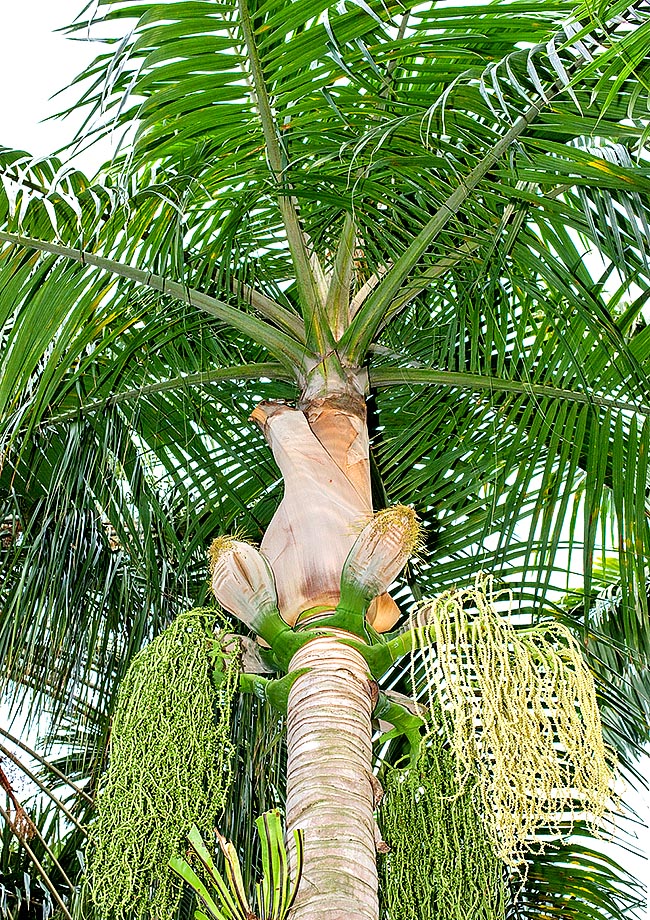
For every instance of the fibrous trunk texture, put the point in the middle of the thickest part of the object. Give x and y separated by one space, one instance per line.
329 789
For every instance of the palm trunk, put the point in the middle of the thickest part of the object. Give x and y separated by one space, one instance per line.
322 452
329 789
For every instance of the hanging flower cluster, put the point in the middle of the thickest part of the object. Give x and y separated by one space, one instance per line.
521 713
440 864
169 767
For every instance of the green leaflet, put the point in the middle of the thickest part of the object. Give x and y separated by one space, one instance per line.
274 894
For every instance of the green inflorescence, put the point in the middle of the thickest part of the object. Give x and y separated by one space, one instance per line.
169 768
441 865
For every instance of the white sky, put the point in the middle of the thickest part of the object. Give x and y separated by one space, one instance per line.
35 63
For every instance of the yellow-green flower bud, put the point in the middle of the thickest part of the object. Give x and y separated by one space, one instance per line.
378 555
243 583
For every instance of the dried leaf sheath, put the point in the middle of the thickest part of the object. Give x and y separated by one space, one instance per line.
343 432
323 458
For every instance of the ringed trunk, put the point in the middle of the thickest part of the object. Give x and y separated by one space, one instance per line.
323 453
329 789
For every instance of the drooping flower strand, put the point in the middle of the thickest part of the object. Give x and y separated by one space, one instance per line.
441 865
169 768
520 712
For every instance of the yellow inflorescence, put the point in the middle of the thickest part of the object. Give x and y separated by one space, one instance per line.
401 518
521 713
218 547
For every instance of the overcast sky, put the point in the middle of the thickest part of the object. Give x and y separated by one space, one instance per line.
35 63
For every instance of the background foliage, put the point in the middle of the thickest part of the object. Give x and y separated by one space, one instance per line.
455 164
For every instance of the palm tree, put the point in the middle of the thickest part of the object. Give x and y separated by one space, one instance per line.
413 226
